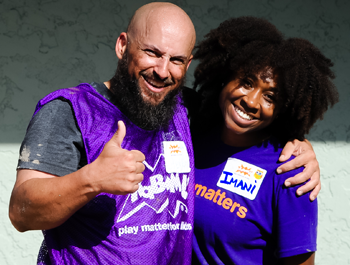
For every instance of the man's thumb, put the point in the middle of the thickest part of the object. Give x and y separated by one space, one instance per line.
119 135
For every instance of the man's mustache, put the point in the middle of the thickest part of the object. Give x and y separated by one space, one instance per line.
155 80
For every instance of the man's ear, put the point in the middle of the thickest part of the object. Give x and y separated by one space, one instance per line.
120 46
189 62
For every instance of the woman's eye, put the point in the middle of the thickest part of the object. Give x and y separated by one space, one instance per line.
270 97
247 83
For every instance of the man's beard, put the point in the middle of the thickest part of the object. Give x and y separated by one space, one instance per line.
129 99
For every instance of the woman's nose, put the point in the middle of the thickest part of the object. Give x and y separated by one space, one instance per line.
252 98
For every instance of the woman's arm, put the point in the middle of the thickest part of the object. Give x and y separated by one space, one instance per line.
302 259
295 223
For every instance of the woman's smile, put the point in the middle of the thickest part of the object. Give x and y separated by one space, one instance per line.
243 114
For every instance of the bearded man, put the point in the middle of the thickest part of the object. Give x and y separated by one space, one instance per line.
106 169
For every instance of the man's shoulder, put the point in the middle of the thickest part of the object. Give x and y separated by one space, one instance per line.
82 88
84 93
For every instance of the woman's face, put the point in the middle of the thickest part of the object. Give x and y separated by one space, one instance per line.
248 103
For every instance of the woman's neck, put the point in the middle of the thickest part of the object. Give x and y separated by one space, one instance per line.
243 140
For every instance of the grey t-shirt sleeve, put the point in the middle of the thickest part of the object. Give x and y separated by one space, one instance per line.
53 142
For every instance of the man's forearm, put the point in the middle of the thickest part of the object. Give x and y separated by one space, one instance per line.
47 202
306 157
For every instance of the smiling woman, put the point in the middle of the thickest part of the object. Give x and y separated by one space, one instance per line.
248 106
259 90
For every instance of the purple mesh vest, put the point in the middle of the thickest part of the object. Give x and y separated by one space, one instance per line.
151 226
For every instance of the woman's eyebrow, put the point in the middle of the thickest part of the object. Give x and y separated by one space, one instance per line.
251 76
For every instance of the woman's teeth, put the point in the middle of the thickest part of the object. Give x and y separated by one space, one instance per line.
243 114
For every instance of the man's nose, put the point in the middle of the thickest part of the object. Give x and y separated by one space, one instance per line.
162 68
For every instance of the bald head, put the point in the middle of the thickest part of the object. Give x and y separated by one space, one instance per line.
156 52
164 18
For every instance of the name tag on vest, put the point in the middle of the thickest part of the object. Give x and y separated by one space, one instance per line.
241 178
176 157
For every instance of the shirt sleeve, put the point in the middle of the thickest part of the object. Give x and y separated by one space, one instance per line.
295 220
53 142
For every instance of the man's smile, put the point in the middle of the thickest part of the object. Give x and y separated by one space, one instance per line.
154 84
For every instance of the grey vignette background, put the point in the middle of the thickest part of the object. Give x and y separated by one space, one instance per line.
52 44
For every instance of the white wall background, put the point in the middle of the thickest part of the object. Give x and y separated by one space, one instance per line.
51 44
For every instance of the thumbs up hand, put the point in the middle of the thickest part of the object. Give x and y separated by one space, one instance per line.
116 170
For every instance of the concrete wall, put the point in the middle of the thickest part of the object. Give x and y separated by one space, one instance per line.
51 44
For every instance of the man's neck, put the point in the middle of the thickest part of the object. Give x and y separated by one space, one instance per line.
107 84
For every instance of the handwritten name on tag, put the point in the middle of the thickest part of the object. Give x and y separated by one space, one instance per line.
241 178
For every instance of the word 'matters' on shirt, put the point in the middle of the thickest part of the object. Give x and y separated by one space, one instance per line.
220 199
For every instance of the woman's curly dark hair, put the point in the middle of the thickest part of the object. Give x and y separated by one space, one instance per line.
250 45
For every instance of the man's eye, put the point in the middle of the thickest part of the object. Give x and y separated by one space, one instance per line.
177 61
150 52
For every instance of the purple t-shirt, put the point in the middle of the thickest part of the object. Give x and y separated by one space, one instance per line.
151 226
243 213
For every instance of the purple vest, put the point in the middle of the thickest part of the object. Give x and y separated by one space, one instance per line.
151 226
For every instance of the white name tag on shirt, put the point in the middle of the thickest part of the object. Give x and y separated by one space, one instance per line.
176 157
241 178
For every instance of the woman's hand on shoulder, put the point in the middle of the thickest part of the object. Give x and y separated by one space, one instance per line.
304 156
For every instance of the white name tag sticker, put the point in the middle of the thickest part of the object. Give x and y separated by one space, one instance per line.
176 157
241 178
